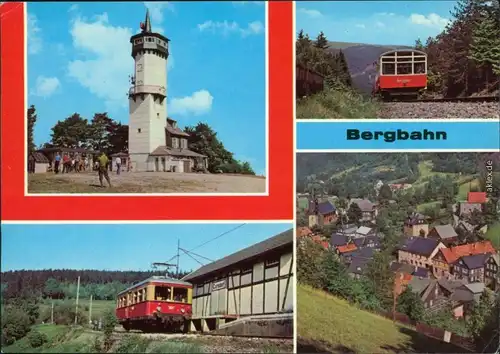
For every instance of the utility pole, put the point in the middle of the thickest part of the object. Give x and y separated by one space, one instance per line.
52 313
77 296
178 256
90 310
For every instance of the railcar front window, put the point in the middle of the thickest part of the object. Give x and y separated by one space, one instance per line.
404 68
163 293
180 294
388 69
420 68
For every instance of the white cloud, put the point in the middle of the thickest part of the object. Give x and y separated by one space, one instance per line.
432 20
73 8
379 24
311 13
360 25
106 61
156 10
198 103
46 86
227 27
34 38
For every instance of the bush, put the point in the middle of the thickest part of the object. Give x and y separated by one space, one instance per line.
15 325
36 339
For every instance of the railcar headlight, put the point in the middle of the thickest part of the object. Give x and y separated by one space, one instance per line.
182 310
158 308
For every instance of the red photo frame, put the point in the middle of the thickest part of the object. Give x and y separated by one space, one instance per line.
277 205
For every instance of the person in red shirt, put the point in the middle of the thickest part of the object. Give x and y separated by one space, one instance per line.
65 164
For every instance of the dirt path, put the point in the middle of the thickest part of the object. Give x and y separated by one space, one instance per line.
146 182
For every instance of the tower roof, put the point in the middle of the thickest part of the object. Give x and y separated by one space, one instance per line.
147 23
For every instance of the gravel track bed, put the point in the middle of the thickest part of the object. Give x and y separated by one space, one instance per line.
440 110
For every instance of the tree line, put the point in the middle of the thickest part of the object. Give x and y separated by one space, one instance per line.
61 283
465 57
312 54
102 133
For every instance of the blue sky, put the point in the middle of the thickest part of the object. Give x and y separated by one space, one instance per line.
374 22
79 61
123 247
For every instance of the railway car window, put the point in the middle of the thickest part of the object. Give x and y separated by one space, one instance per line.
419 68
134 301
180 294
404 68
388 69
139 296
163 293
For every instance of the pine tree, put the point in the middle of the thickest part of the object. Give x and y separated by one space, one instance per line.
321 41
31 117
485 46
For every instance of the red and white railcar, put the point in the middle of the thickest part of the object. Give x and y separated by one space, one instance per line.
155 304
401 72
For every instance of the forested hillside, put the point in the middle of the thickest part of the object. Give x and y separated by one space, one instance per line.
62 283
465 58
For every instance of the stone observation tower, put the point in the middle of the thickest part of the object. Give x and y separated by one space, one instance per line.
155 142
147 96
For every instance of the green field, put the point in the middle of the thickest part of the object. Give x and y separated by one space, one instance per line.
327 323
99 307
493 235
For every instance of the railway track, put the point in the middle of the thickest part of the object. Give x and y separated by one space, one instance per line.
454 99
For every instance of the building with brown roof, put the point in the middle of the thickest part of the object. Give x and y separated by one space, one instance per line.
444 233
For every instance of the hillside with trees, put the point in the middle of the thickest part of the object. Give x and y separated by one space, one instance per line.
464 59
338 99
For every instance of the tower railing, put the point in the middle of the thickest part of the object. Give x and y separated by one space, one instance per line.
154 89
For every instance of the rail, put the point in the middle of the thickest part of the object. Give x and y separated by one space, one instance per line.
453 99
154 89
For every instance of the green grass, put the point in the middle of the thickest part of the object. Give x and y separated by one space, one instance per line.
331 104
423 207
327 323
465 188
493 234
99 307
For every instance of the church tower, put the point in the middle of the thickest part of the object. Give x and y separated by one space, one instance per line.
147 96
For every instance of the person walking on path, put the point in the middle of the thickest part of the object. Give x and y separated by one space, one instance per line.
118 162
103 169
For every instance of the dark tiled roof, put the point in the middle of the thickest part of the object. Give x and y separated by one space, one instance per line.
462 294
450 285
166 150
421 272
282 239
325 208
420 245
156 279
415 218
338 239
373 239
358 265
475 261
39 157
359 242
365 252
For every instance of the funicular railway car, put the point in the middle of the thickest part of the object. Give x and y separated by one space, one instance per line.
307 81
401 72
155 304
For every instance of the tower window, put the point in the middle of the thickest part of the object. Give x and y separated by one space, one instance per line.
139 130
158 115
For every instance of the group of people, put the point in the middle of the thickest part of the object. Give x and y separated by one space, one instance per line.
71 163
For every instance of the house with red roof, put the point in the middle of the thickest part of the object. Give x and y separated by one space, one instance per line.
449 262
304 231
477 197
